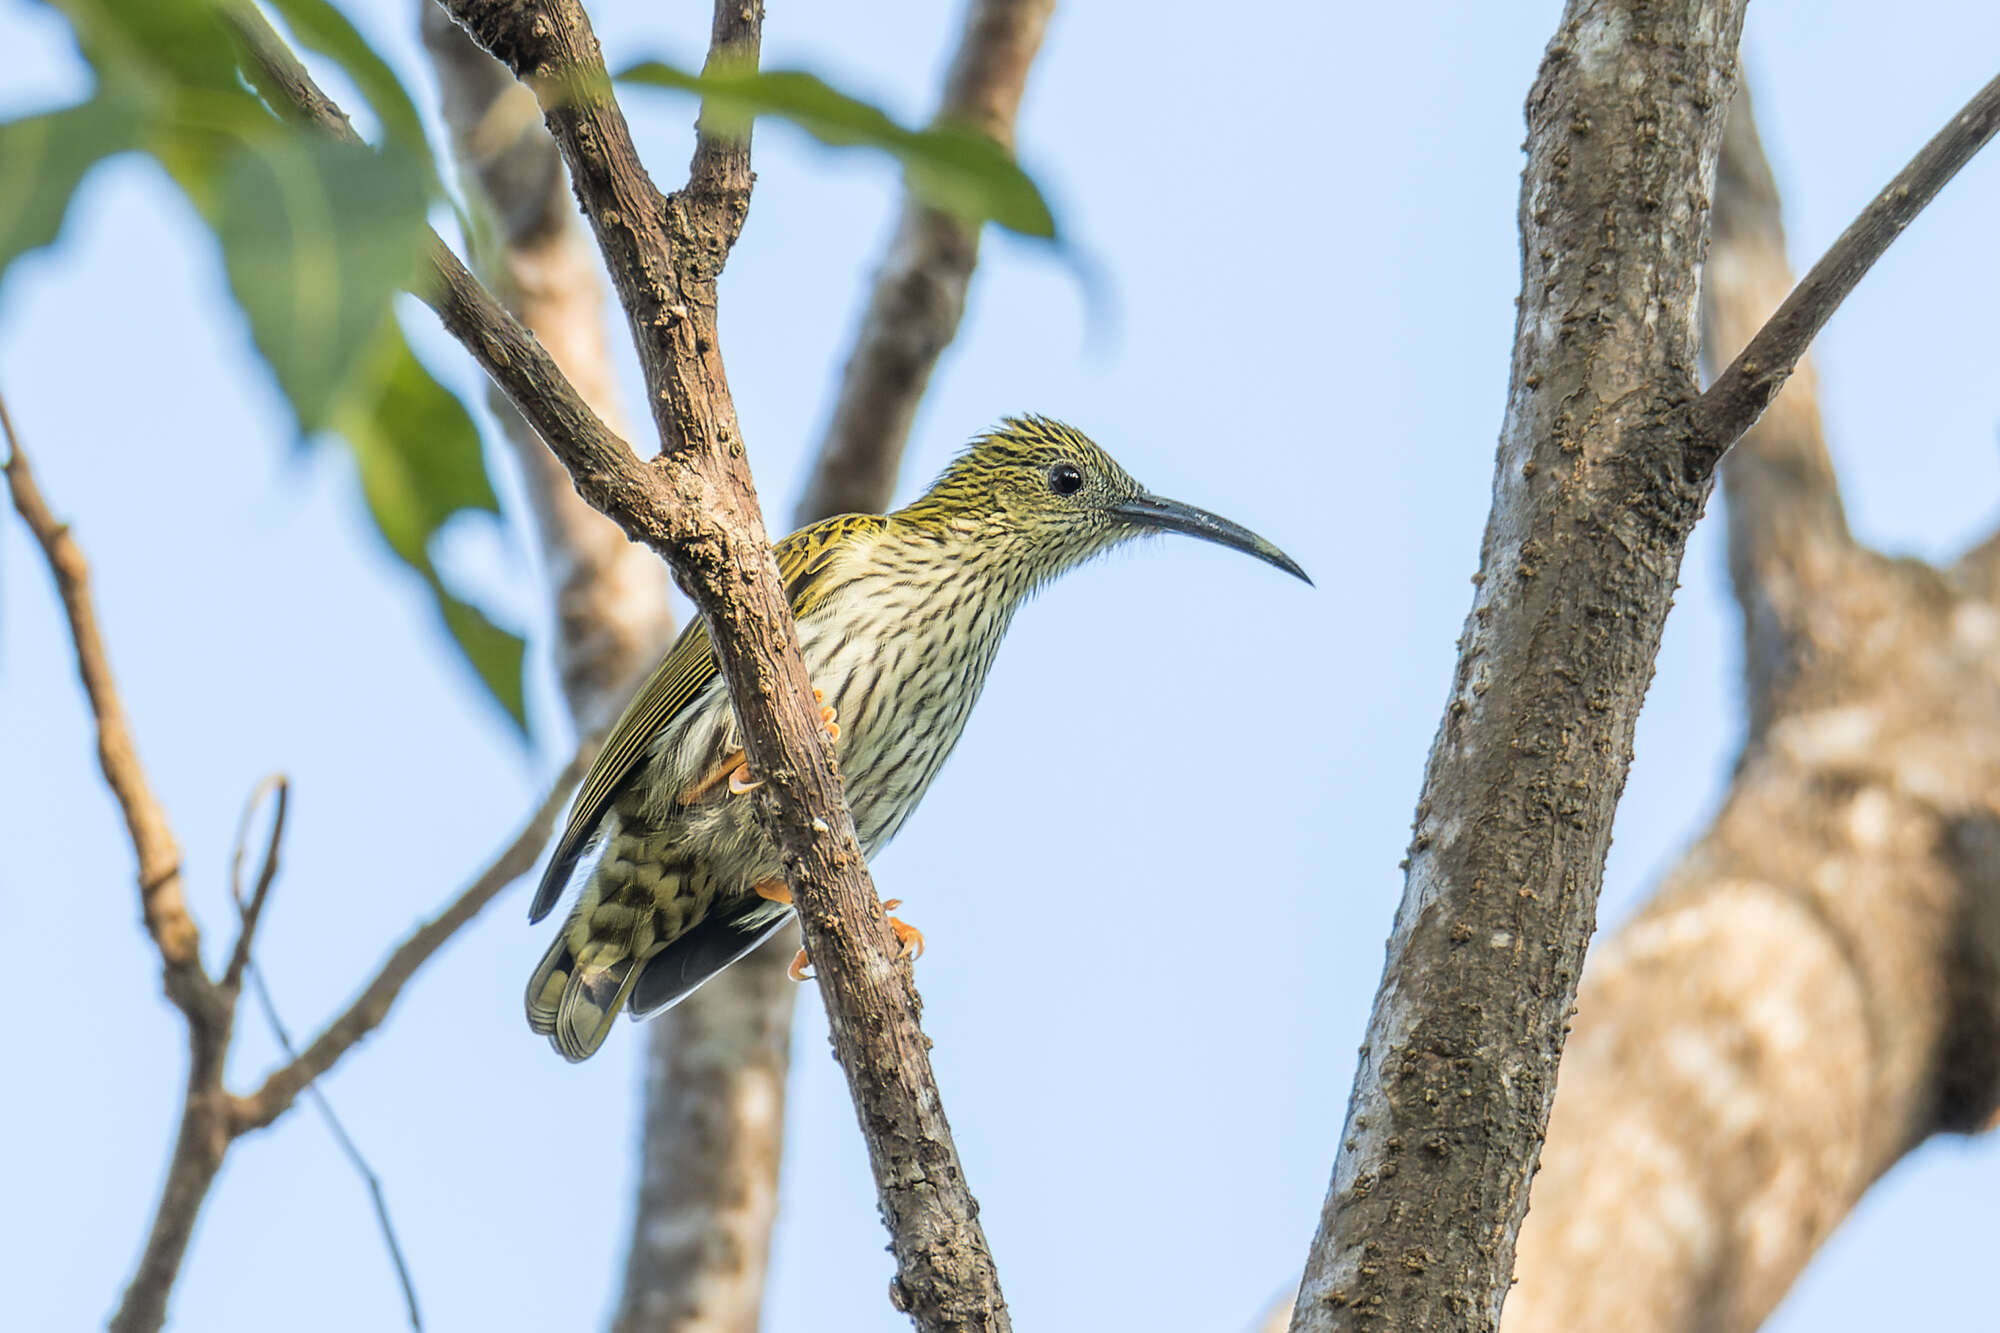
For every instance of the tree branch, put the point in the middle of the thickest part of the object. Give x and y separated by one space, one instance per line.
507 352
162 901
202 1138
1606 457
695 505
712 1119
1753 379
919 293
211 1117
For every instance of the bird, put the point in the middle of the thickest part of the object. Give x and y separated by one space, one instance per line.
899 617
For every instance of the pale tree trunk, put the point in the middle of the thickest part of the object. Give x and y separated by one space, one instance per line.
1816 988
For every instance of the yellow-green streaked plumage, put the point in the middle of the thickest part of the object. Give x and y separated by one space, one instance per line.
899 618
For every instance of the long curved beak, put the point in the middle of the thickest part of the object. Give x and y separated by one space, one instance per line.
1162 515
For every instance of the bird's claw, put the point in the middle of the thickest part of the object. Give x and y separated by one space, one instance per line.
908 936
734 769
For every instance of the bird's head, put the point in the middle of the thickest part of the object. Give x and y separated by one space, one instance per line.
1045 494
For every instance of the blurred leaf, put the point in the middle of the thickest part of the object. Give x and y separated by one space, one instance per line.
324 29
417 447
418 454
157 49
174 63
948 167
318 238
44 158
494 653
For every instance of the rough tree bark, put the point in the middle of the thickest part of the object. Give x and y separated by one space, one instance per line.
1816 988
1606 457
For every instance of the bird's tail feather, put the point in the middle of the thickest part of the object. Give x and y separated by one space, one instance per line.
574 1006
672 974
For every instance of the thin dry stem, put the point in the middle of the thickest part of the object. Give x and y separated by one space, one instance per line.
211 1117
1740 394
162 901
251 909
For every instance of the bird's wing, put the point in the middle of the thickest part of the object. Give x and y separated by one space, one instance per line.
804 558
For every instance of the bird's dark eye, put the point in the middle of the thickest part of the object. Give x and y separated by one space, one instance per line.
1065 479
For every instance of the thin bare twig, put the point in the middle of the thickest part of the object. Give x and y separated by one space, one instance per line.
163 902
250 910
348 1148
203 1136
241 965
1753 379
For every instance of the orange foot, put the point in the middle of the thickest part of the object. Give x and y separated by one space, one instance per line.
908 936
734 768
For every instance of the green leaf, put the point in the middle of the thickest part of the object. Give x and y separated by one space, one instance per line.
174 64
418 454
496 654
948 167
417 447
324 29
44 158
158 49
318 237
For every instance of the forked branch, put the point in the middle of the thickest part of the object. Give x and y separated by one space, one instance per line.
212 1118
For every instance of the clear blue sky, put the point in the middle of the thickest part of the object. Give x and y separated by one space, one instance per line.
1157 875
